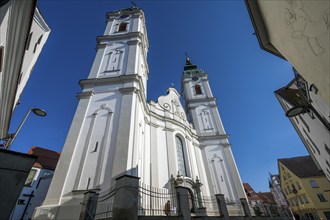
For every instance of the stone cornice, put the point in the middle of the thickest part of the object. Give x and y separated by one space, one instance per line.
213 137
128 90
191 106
195 100
110 80
120 80
169 129
130 36
84 95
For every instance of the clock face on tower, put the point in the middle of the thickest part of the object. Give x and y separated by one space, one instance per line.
195 78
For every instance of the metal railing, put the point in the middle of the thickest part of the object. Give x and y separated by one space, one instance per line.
105 205
234 207
209 203
152 200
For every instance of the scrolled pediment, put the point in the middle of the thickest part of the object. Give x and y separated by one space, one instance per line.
171 103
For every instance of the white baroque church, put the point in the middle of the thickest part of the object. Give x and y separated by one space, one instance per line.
115 131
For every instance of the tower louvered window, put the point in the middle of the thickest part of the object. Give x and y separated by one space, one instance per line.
198 89
122 27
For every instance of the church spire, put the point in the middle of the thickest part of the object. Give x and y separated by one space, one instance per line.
190 68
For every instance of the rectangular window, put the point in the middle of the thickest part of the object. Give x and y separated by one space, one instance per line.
310 146
1 58
296 119
314 145
296 200
305 198
328 171
36 45
20 202
304 122
314 184
19 78
286 191
30 177
321 197
198 90
122 27
298 185
327 148
28 42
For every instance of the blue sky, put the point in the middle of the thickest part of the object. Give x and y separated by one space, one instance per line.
218 37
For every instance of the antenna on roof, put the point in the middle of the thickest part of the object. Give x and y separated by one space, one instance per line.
187 57
133 4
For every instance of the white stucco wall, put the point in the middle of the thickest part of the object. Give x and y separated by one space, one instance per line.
300 32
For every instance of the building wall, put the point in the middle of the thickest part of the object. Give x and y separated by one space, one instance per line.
277 191
312 132
16 19
305 200
32 194
299 30
38 36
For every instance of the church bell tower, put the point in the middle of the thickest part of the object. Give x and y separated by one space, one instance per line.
202 111
100 143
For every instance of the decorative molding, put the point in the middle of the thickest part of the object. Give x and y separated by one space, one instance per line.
129 35
195 100
85 95
168 129
188 138
213 137
128 90
110 80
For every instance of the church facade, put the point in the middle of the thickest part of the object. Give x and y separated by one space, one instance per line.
115 131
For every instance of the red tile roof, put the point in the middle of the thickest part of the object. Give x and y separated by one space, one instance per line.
250 193
47 159
266 197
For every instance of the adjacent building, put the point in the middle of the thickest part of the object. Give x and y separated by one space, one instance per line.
263 203
298 31
251 195
306 188
312 124
23 33
275 189
116 132
37 183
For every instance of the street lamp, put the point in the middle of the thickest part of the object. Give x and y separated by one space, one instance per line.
12 137
302 102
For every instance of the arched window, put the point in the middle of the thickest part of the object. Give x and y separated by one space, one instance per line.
122 27
198 89
180 156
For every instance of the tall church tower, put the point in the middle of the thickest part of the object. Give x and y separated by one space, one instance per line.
115 132
203 113
100 143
